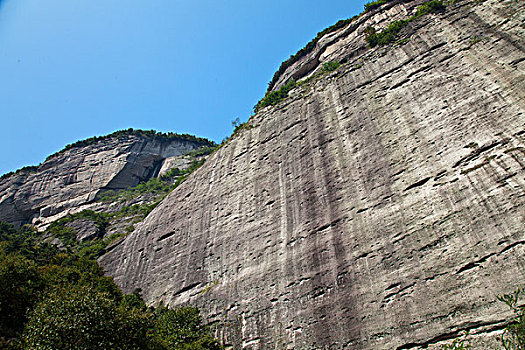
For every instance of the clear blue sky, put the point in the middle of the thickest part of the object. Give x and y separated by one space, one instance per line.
72 69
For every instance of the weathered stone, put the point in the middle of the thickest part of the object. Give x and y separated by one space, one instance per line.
179 162
382 207
72 180
86 229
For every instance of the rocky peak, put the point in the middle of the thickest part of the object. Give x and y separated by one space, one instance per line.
377 206
72 179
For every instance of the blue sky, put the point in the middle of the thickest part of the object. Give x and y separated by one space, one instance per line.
72 69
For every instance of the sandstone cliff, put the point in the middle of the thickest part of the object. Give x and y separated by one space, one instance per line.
71 180
380 206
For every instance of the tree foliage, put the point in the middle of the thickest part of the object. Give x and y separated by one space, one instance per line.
161 136
60 299
388 35
275 97
182 328
330 66
374 4
514 335
20 284
81 318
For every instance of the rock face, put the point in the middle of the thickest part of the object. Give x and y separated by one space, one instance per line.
379 207
72 179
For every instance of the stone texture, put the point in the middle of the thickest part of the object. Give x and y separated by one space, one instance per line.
382 207
86 229
71 181
180 162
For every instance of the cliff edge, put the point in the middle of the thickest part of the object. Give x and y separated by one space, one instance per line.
379 206
72 179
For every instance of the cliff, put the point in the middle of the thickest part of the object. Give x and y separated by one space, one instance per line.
380 206
72 179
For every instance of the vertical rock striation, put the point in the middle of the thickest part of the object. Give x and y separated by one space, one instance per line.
379 207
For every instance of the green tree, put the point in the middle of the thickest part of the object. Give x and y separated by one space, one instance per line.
514 335
20 284
330 66
84 319
182 328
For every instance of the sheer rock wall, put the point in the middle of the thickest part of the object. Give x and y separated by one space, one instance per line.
382 207
71 180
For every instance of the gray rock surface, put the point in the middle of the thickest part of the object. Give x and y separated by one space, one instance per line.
86 229
70 181
380 207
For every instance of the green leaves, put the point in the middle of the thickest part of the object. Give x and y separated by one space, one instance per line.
374 4
429 7
275 97
330 66
305 51
513 337
161 136
84 318
20 285
72 305
388 35
182 328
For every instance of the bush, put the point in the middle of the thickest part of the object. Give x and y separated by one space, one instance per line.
72 305
514 335
20 285
306 50
161 136
388 35
330 66
374 4
182 328
275 97
83 319
429 7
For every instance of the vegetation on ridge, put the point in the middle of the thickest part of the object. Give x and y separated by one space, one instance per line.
388 35
156 135
306 50
374 4
373 38
275 97
170 136
310 46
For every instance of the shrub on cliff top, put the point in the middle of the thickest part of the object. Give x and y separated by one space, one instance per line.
306 50
374 4
161 136
429 7
275 97
388 35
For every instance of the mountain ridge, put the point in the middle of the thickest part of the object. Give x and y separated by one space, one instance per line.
73 178
379 205
376 202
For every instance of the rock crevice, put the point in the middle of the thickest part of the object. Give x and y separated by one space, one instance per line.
379 206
